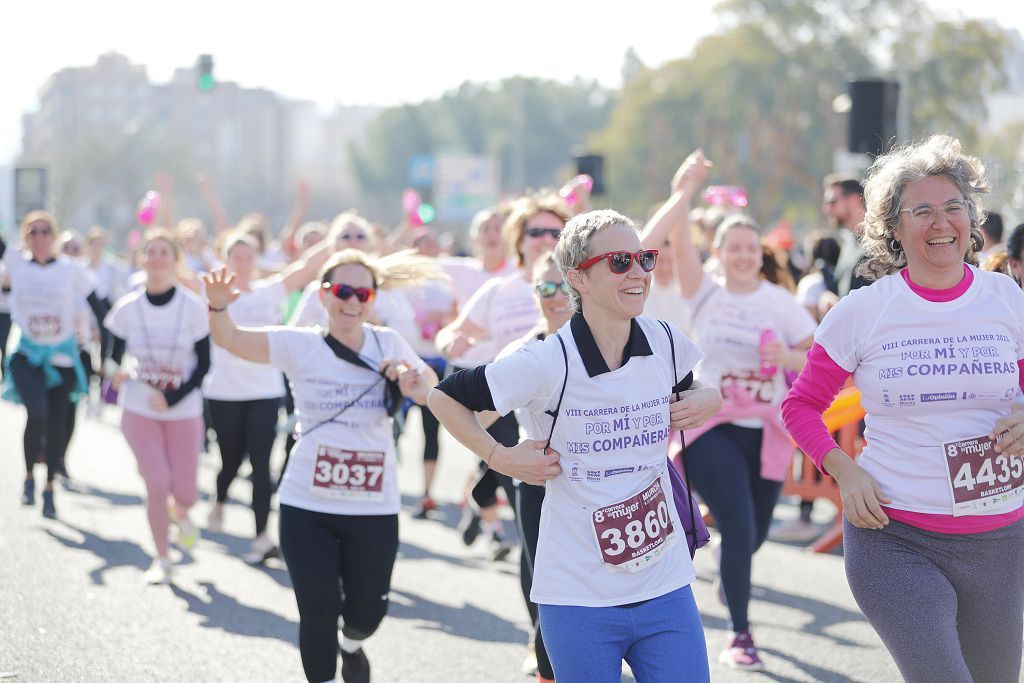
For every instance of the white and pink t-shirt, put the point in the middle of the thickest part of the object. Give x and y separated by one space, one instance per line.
728 327
936 370
507 310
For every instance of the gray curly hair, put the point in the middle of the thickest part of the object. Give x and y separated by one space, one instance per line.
887 179
574 243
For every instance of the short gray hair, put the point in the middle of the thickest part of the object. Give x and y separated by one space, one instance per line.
889 176
574 244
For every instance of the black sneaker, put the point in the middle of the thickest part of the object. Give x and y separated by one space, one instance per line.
49 510
500 547
469 525
355 667
28 494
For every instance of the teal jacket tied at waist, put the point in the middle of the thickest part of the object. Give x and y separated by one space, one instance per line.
40 355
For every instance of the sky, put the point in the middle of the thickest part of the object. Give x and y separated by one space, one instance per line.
382 52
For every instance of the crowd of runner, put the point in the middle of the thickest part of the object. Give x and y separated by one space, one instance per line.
587 361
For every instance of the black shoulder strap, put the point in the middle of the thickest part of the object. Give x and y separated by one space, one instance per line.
561 395
692 531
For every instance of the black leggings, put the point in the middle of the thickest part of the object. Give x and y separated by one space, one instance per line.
320 549
47 423
529 500
485 490
5 333
725 469
246 428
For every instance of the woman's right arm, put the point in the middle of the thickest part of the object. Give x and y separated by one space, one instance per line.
527 461
246 343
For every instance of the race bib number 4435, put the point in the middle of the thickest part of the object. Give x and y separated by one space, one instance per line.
342 474
634 533
981 481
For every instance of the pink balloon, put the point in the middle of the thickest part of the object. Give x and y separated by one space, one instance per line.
149 207
410 201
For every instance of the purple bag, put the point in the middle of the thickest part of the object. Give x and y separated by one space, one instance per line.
697 534
108 393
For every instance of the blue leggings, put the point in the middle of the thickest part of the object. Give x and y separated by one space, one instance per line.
661 639
725 469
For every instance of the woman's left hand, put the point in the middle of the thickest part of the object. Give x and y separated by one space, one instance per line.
1009 433
693 407
777 354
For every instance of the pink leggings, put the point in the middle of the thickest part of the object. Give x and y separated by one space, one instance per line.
168 456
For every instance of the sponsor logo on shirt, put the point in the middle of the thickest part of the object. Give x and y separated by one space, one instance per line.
907 400
593 475
576 472
890 373
887 399
619 470
938 396
980 396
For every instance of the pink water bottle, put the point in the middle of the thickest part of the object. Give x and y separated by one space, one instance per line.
767 337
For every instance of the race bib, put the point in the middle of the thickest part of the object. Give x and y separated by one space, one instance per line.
160 377
342 474
760 387
981 481
43 326
633 534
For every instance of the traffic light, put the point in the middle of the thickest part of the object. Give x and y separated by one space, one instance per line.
204 67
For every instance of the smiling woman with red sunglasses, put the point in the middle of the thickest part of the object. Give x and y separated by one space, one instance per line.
339 498
611 577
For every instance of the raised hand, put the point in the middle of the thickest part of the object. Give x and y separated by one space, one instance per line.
220 290
692 174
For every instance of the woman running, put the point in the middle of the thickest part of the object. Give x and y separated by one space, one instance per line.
339 499
45 371
933 539
751 331
163 329
611 578
244 397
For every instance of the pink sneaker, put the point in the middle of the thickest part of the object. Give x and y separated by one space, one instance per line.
741 653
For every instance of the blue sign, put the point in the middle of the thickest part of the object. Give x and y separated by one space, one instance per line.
422 168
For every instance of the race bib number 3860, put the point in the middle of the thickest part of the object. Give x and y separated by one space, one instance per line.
634 533
342 474
981 481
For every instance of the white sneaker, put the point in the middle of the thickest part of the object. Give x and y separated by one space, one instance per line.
262 549
794 530
159 573
215 522
188 534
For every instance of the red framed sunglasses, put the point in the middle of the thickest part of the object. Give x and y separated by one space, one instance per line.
346 292
621 261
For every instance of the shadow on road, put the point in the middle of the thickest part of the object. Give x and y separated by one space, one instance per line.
466 621
817 673
410 551
110 496
114 553
236 546
224 612
823 615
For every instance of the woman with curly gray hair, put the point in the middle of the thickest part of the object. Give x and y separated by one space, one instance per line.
933 537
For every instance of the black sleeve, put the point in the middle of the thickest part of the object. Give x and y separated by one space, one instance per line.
117 349
196 379
469 387
684 384
3 247
99 308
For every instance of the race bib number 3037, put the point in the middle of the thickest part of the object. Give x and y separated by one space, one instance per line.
634 533
342 474
981 481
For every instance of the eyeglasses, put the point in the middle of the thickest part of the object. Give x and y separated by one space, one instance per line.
554 233
923 215
548 289
621 261
42 232
346 292
357 236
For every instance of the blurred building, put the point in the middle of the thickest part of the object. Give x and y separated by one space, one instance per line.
104 132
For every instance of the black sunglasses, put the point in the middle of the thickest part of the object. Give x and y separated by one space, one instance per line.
548 289
346 292
555 233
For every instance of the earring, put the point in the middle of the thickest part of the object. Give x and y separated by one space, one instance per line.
894 245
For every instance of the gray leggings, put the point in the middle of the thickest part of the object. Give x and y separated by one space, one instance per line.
947 606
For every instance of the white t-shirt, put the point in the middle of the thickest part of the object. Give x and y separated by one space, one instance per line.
5 295
667 303
809 290
929 373
612 434
507 310
45 298
728 327
468 275
160 342
111 278
346 466
232 378
391 308
433 304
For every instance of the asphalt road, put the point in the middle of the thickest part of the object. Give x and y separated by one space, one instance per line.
74 607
